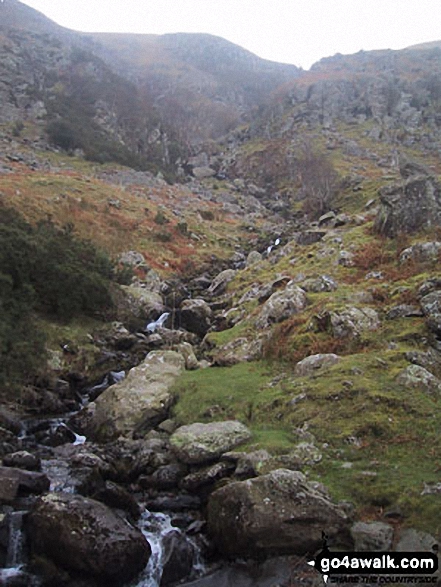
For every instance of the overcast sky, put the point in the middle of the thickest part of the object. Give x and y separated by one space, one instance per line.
291 31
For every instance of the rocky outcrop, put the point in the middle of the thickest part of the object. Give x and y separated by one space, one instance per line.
373 536
281 305
314 363
17 482
418 378
278 513
220 282
138 403
409 206
135 306
85 538
201 443
196 316
348 323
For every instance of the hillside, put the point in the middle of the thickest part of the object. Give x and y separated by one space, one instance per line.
220 284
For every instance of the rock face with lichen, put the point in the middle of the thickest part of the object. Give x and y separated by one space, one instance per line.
410 205
201 443
138 403
86 538
278 513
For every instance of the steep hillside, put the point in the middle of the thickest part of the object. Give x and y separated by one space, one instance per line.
203 83
284 274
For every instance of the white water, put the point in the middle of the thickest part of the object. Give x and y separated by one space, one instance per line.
15 556
154 526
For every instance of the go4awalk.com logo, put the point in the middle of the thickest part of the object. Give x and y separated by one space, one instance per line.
376 567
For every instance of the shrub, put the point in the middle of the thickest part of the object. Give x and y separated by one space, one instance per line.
47 270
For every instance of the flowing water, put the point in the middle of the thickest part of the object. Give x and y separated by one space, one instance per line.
155 526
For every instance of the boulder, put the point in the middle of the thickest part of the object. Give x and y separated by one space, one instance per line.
85 537
415 377
219 284
409 206
416 541
201 443
22 460
277 513
422 252
196 316
135 306
313 363
16 482
348 323
281 305
187 351
319 284
253 258
136 404
177 558
372 536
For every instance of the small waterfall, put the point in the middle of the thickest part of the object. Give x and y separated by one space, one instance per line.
14 556
12 573
155 527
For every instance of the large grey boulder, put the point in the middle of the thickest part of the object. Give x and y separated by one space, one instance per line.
348 323
278 513
422 252
220 282
85 537
372 536
201 443
281 305
196 316
408 206
313 363
415 377
135 306
141 401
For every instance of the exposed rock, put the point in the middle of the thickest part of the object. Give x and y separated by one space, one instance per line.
23 460
319 284
201 443
247 464
409 206
372 536
206 476
132 259
165 477
239 350
138 403
196 316
278 513
219 284
135 306
187 351
421 252
281 305
74 532
404 311
311 364
327 219
418 378
178 557
349 323
201 172
117 497
306 454
309 237
253 258
416 541
15 482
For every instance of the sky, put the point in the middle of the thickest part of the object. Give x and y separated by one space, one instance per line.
289 31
